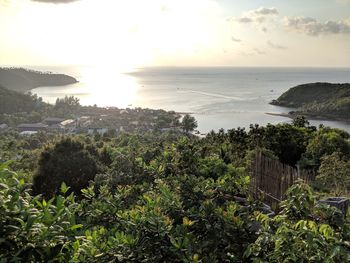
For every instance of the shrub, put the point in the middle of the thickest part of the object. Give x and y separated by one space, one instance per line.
67 161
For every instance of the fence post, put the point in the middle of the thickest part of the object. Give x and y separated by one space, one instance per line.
273 178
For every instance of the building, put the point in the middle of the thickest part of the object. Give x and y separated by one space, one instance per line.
32 127
68 125
53 121
83 122
94 130
28 133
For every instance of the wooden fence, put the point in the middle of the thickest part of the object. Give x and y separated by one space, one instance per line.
270 178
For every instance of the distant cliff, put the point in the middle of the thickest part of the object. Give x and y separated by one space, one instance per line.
22 80
321 100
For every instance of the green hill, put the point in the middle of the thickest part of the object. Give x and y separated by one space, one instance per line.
325 100
12 101
20 79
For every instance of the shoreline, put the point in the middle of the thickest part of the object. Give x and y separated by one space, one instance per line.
310 117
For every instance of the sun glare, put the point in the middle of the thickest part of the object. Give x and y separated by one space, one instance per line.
97 82
124 34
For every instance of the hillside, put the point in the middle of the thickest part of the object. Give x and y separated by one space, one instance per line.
20 79
324 100
12 101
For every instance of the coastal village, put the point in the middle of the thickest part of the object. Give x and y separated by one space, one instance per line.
112 120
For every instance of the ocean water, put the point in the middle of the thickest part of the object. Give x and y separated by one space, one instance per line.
221 97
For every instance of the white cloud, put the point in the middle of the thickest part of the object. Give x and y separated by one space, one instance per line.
266 11
275 46
245 20
311 26
259 51
236 39
260 18
257 16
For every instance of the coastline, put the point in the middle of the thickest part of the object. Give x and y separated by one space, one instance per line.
308 116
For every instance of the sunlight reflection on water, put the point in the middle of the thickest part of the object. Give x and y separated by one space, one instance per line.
101 86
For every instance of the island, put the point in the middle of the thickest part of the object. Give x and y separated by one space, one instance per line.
318 101
23 80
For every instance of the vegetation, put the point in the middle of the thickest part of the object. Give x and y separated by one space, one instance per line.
13 102
23 80
189 123
334 174
173 219
302 232
318 100
67 161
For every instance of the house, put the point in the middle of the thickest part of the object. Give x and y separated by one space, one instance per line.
95 130
53 121
83 121
32 127
28 133
69 125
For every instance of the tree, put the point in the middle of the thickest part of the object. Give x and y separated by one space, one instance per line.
334 174
66 107
325 142
67 161
300 121
189 123
286 141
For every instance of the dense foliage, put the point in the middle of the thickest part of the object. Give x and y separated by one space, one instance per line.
67 161
302 232
318 99
168 197
164 221
12 102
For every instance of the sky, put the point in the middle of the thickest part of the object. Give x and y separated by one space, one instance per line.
136 33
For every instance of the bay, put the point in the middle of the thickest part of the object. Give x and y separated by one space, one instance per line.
219 97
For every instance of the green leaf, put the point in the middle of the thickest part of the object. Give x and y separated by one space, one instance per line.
64 188
76 227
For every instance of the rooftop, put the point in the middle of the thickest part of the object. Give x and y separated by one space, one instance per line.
32 125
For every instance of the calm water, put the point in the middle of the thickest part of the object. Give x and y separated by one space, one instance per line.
218 97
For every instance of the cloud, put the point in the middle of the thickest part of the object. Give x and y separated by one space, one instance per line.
257 16
259 52
55 1
236 39
245 20
311 26
275 46
266 11
264 29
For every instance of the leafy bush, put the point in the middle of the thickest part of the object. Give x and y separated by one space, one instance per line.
67 161
334 174
32 229
302 232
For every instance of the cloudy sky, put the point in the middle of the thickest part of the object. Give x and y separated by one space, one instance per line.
175 32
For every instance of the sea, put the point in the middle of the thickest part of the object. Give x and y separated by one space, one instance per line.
218 97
